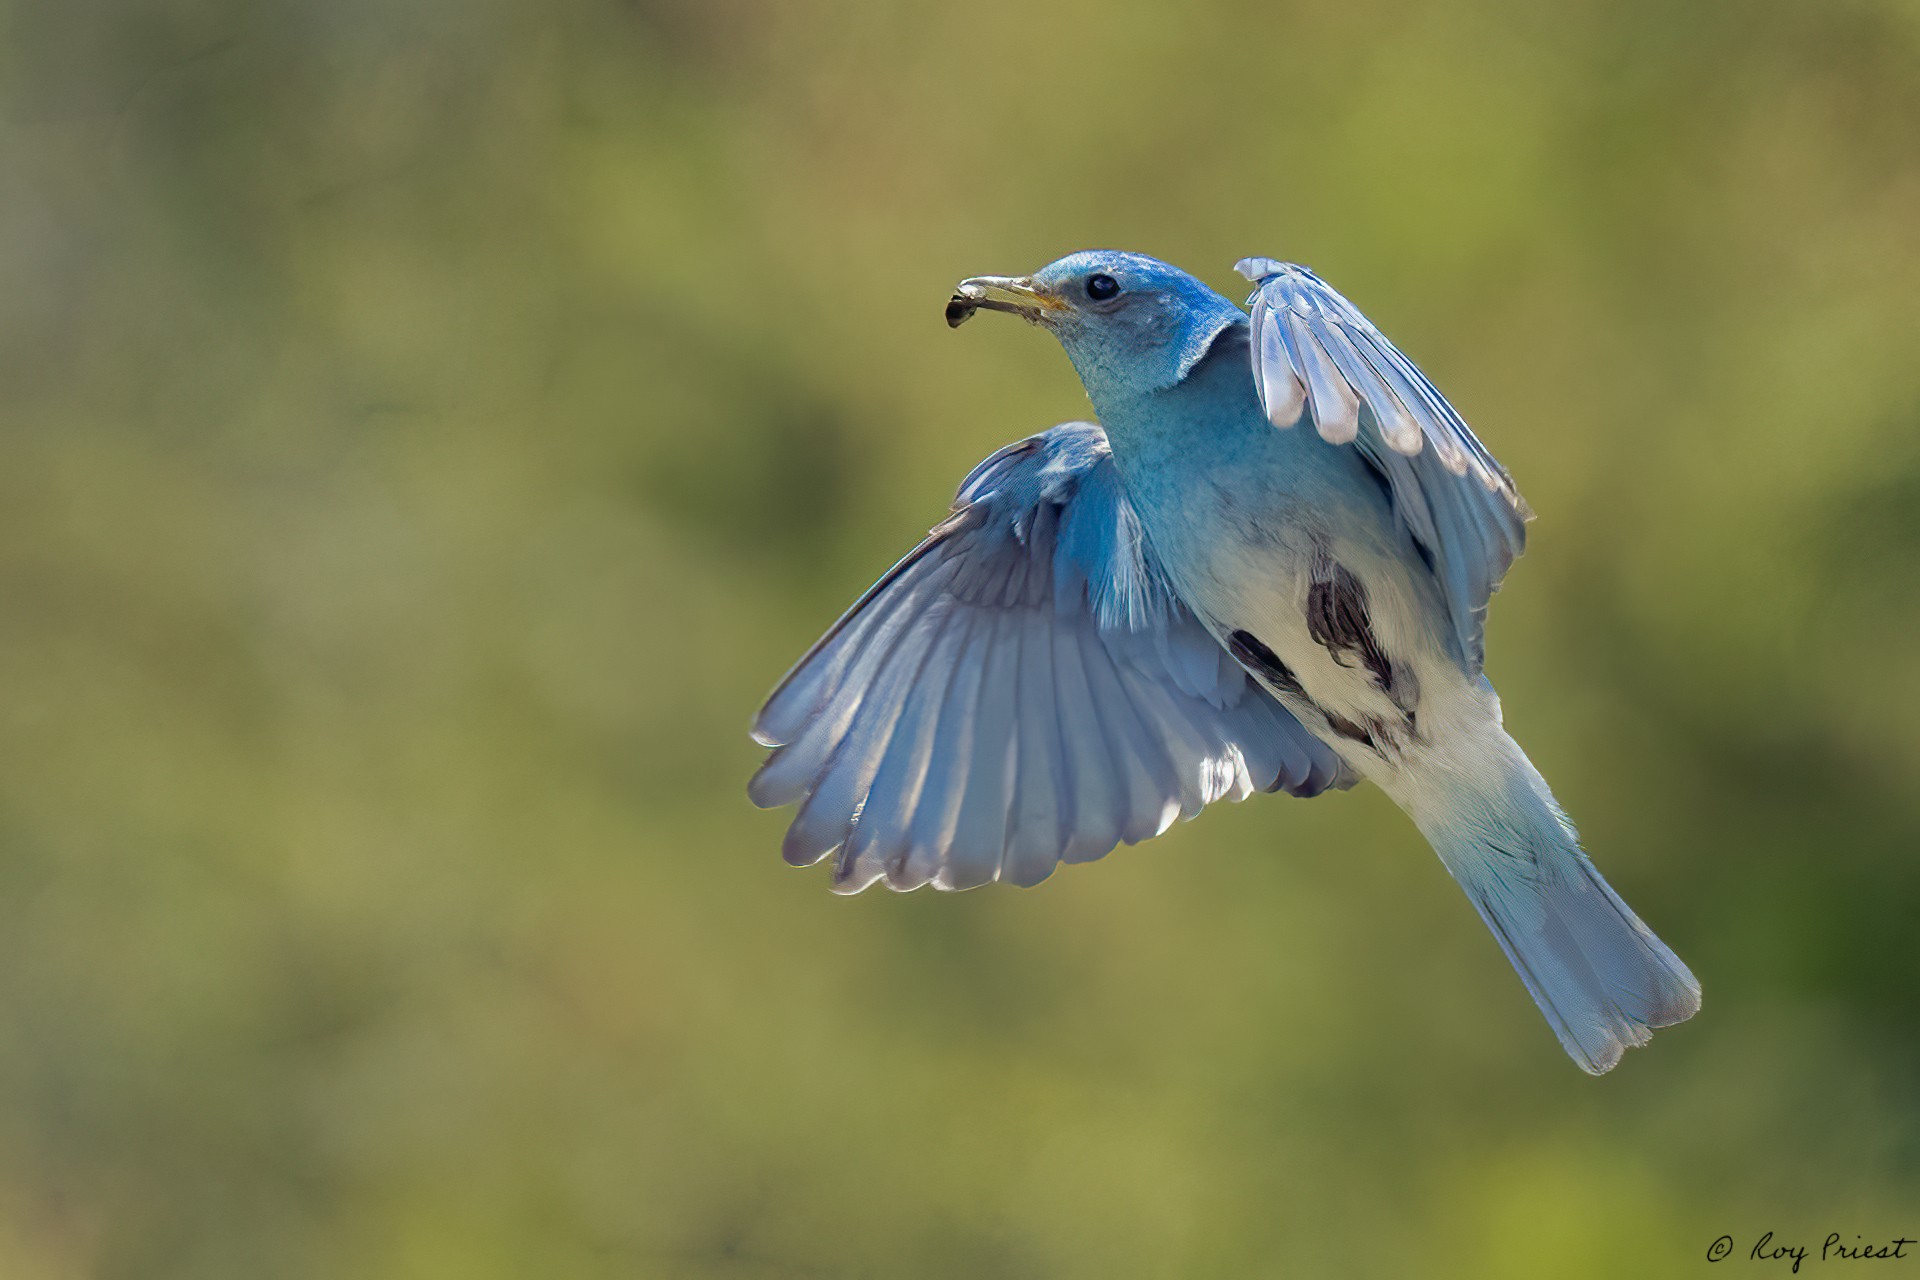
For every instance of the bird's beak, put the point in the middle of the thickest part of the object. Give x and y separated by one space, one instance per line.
1017 294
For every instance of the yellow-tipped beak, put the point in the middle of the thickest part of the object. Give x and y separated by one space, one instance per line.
1016 294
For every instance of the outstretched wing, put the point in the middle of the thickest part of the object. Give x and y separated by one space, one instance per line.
1023 689
1313 352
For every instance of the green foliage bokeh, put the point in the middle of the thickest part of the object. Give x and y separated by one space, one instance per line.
431 428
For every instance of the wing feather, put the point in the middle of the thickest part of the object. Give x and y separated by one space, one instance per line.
1095 791
945 785
1040 815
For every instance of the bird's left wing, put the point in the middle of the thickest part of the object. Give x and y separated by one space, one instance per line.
1315 354
1023 689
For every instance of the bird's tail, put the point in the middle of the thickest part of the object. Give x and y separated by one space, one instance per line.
1600 976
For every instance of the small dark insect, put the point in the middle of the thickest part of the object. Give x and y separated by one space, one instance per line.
959 310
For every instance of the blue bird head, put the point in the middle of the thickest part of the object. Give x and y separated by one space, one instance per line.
1131 324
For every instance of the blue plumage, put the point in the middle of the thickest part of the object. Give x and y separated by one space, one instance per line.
1267 569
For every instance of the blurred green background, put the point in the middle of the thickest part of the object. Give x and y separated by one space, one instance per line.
431 428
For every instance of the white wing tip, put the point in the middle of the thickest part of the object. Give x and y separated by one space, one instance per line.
1337 421
856 874
1284 401
1451 455
1398 429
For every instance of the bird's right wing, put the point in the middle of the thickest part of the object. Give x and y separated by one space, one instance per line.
1021 690
1315 355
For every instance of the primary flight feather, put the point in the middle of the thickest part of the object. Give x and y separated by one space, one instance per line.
1266 569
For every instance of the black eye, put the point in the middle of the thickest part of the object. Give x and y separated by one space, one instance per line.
1101 286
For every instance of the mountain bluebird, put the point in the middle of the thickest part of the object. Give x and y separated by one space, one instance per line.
1266 569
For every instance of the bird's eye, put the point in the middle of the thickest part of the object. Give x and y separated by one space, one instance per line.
1101 286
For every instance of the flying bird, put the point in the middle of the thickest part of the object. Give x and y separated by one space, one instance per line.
1266 568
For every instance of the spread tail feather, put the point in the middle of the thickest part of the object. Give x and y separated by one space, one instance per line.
1601 977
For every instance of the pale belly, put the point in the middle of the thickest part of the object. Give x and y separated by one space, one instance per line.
1316 590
